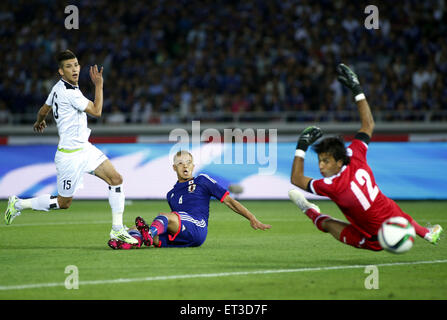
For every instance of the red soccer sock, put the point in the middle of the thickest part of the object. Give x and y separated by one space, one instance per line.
317 218
420 230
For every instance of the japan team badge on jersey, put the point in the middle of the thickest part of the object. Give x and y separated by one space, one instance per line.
191 186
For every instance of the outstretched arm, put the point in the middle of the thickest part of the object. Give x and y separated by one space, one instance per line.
237 207
366 117
95 108
307 137
297 177
40 123
350 80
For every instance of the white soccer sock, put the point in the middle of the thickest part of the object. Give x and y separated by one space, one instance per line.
23 204
43 202
116 201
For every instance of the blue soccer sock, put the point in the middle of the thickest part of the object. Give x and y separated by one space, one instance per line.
159 225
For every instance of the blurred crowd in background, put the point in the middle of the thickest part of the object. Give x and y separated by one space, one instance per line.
173 61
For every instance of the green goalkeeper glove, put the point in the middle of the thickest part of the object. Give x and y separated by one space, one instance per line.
349 79
308 137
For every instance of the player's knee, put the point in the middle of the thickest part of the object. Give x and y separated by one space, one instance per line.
172 217
116 179
64 203
173 221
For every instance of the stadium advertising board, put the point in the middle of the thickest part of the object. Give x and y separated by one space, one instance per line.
402 170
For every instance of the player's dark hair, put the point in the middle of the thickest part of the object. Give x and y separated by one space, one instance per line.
65 55
334 146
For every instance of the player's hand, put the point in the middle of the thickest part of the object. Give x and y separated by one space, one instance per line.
256 224
96 76
39 126
308 137
349 79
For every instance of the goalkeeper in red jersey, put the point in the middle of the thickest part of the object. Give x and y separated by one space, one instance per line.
348 181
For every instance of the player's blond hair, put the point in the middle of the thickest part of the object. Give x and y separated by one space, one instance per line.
181 153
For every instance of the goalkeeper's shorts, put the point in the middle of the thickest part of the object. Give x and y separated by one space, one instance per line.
353 237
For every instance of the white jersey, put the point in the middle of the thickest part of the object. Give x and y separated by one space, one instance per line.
68 105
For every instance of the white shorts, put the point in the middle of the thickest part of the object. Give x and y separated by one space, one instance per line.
71 166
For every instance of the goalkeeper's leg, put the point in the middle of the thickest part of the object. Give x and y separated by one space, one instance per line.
323 222
342 231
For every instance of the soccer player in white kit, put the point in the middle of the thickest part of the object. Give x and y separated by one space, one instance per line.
75 154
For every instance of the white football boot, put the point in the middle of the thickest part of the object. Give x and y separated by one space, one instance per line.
434 234
298 198
11 212
123 235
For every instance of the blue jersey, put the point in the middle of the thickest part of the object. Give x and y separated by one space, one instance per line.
193 196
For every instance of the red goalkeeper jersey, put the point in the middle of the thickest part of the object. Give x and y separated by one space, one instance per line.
355 192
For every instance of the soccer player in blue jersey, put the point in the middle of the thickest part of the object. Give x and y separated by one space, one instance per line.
189 200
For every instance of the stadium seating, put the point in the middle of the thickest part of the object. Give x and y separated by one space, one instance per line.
171 62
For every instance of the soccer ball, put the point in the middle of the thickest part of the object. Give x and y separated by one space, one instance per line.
396 235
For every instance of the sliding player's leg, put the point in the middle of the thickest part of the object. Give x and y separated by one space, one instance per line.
190 233
163 223
118 244
182 230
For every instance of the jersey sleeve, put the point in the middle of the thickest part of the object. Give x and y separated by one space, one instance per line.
214 188
321 187
357 150
168 198
49 101
77 100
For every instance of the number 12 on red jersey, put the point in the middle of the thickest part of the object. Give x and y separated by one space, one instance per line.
362 177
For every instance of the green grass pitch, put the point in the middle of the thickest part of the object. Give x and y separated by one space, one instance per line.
293 260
